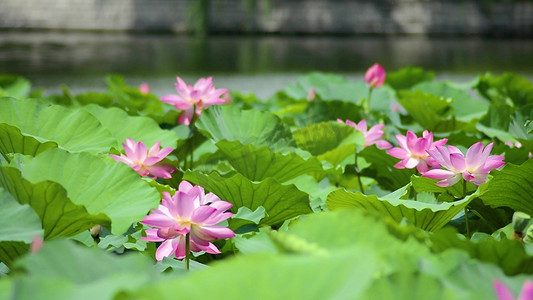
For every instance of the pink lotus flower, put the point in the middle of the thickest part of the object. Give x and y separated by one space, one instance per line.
504 293
146 162
36 244
144 88
202 95
372 136
189 211
311 95
375 76
412 151
512 145
475 167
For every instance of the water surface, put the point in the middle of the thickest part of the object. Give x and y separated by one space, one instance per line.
260 64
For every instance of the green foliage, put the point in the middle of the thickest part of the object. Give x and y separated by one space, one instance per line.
17 222
89 273
122 126
304 228
258 163
59 215
507 86
383 169
427 216
431 111
511 187
73 130
258 128
14 86
328 136
100 191
465 107
511 256
408 77
281 202
19 225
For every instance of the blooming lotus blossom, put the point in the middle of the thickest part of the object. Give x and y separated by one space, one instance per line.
504 293
189 211
372 136
200 96
375 76
146 162
144 88
475 167
412 151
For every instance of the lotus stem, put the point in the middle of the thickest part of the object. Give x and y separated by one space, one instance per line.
466 212
187 250
366 105
358 173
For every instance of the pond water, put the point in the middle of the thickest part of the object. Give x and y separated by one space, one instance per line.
259 64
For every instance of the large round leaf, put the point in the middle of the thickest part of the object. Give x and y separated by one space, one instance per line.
281 202
64 270
73 130
123 126
510 255
382 169
12 140
342 276
428 216
19 225
511 187
327 137
17 222
465 107
258 163
259 128
59 216
100 184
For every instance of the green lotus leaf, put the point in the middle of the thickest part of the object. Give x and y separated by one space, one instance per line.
258 128
409 285
59 216
507 86
405 78
511 187
258 163
19 225
14 86
382 169
327 138
465 107
17 222
73 130
123 126
427 216
281 202
101 185
432 112
345 275
90 273
12 140
510 255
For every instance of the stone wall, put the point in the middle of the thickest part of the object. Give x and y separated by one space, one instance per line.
277 16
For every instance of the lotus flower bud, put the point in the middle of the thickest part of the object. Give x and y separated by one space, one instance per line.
375 76
311 95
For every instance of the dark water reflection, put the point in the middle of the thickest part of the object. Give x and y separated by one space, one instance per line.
51 58
49 53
